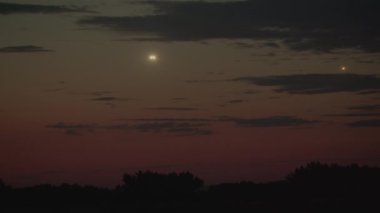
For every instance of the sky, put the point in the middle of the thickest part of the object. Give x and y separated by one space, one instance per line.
228 90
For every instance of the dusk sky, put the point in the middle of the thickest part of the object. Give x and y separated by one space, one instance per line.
228 90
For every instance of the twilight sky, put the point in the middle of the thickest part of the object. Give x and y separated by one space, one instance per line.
240 90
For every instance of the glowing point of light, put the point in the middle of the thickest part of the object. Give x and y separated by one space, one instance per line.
152 57
343 68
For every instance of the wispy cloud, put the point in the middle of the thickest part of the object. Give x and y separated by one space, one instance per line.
107 98
165 126
355 114
173 108
11 8
372 110
372 107
316 83
365 123
179 126
274 121
24 49
182 128
295 23
171 119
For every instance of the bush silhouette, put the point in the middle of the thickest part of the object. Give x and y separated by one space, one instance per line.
315 187
154 184
2 185
323 178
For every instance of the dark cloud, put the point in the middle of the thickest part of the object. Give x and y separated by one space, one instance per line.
24 49
369 92
366 61
357 114
271 44
365 123
275 121
322 25
366 107
181 128
111 99
74 129
244 45
316 83
360 111
11 8
173 108
171 119
78 129
108 98
201 81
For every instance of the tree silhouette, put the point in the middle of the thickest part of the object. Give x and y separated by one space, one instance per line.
315 187
154 184
2 185
334 179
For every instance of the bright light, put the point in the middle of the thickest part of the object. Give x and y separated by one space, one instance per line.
343 68
152 57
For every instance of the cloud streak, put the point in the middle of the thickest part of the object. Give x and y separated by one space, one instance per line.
274 121
366 107
365 123
12 8
320 26
179 127
309 84
172 108
24 49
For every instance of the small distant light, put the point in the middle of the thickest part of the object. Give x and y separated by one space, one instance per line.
343 68
152 57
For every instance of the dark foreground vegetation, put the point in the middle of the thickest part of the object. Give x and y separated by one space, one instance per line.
314 188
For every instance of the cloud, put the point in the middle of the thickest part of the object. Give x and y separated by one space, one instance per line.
369 92
180 127
322 26
275 121
79 128
365 123
356 114
366 107
11 8
173 108
171 119
316 83
74 129
24 49
107 98
360 111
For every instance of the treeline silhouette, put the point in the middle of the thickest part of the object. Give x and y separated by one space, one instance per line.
315 187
